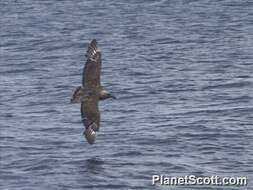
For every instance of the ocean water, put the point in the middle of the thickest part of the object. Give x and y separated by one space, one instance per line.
182 72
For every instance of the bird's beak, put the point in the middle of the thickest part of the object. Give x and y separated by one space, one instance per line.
72 101
113 97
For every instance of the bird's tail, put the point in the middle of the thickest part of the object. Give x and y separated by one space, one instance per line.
90 134
92 50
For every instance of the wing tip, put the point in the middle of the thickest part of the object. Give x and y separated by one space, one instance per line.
93 41
90 135
92 49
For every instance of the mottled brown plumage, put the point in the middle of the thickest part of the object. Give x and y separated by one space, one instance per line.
91 92
92 68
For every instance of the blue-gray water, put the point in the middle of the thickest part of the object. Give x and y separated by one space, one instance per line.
182 73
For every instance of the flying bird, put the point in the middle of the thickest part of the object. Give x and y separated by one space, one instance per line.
91 92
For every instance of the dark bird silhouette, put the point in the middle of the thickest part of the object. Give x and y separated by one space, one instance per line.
91 92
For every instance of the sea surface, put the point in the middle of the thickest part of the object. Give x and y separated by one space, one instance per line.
182 72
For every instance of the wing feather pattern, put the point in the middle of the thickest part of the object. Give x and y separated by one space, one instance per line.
90 117
92 68
91 82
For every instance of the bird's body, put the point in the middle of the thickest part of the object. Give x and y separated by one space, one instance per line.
82 92
91 92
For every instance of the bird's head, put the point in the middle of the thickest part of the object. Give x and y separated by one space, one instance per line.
78 95
105 94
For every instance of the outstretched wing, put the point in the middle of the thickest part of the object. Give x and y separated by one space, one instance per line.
92 68
90 117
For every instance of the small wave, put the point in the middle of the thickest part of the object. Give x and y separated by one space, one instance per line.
238 85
